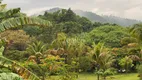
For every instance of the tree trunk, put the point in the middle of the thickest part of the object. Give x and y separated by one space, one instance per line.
104 77
98 76
43 78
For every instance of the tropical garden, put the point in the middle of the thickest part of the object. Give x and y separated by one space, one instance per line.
64 46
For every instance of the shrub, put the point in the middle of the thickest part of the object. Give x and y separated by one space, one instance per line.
139 68
17 55
85 63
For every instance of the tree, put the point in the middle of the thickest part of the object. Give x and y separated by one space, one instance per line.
110 35
16 39
71 28
86 24
33 30
136 31
73 47
69 16
48 34
102 58
127 40
114 38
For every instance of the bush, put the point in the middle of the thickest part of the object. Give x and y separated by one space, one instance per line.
126 63
85 63
17 55
139 68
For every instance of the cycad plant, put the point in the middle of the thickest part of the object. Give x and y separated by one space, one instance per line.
37 49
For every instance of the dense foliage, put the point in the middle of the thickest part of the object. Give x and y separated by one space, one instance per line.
36 49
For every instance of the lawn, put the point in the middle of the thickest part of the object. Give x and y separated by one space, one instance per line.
132 76
87 76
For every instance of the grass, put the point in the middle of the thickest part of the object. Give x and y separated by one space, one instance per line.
87 76
132 76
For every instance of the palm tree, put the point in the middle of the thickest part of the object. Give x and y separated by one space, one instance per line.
136 31
102 58
73 47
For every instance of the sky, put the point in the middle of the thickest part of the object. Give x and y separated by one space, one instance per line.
131 9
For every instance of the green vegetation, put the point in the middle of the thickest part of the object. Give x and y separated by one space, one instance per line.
115 77
63 45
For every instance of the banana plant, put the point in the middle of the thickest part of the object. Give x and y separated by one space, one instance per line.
1 50
9 76
13 19
20 21
16 67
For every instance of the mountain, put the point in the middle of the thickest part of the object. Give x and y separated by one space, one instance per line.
120 21
92 16
106 19
100 18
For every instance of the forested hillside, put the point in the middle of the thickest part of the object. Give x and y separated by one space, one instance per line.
100 18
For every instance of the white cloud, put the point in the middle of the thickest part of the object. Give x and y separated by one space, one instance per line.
38 10
134 13
16 1
35 10
121 8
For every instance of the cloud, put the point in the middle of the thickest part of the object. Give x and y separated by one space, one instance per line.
35 10
16 1
122 8
134 13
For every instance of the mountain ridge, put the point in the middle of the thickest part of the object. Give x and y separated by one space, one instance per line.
99 18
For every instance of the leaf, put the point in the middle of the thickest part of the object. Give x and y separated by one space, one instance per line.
20 21
20 70
1 50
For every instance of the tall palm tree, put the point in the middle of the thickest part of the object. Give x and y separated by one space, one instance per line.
136 31
73 47
102 58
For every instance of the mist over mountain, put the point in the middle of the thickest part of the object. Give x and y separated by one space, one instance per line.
99 18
